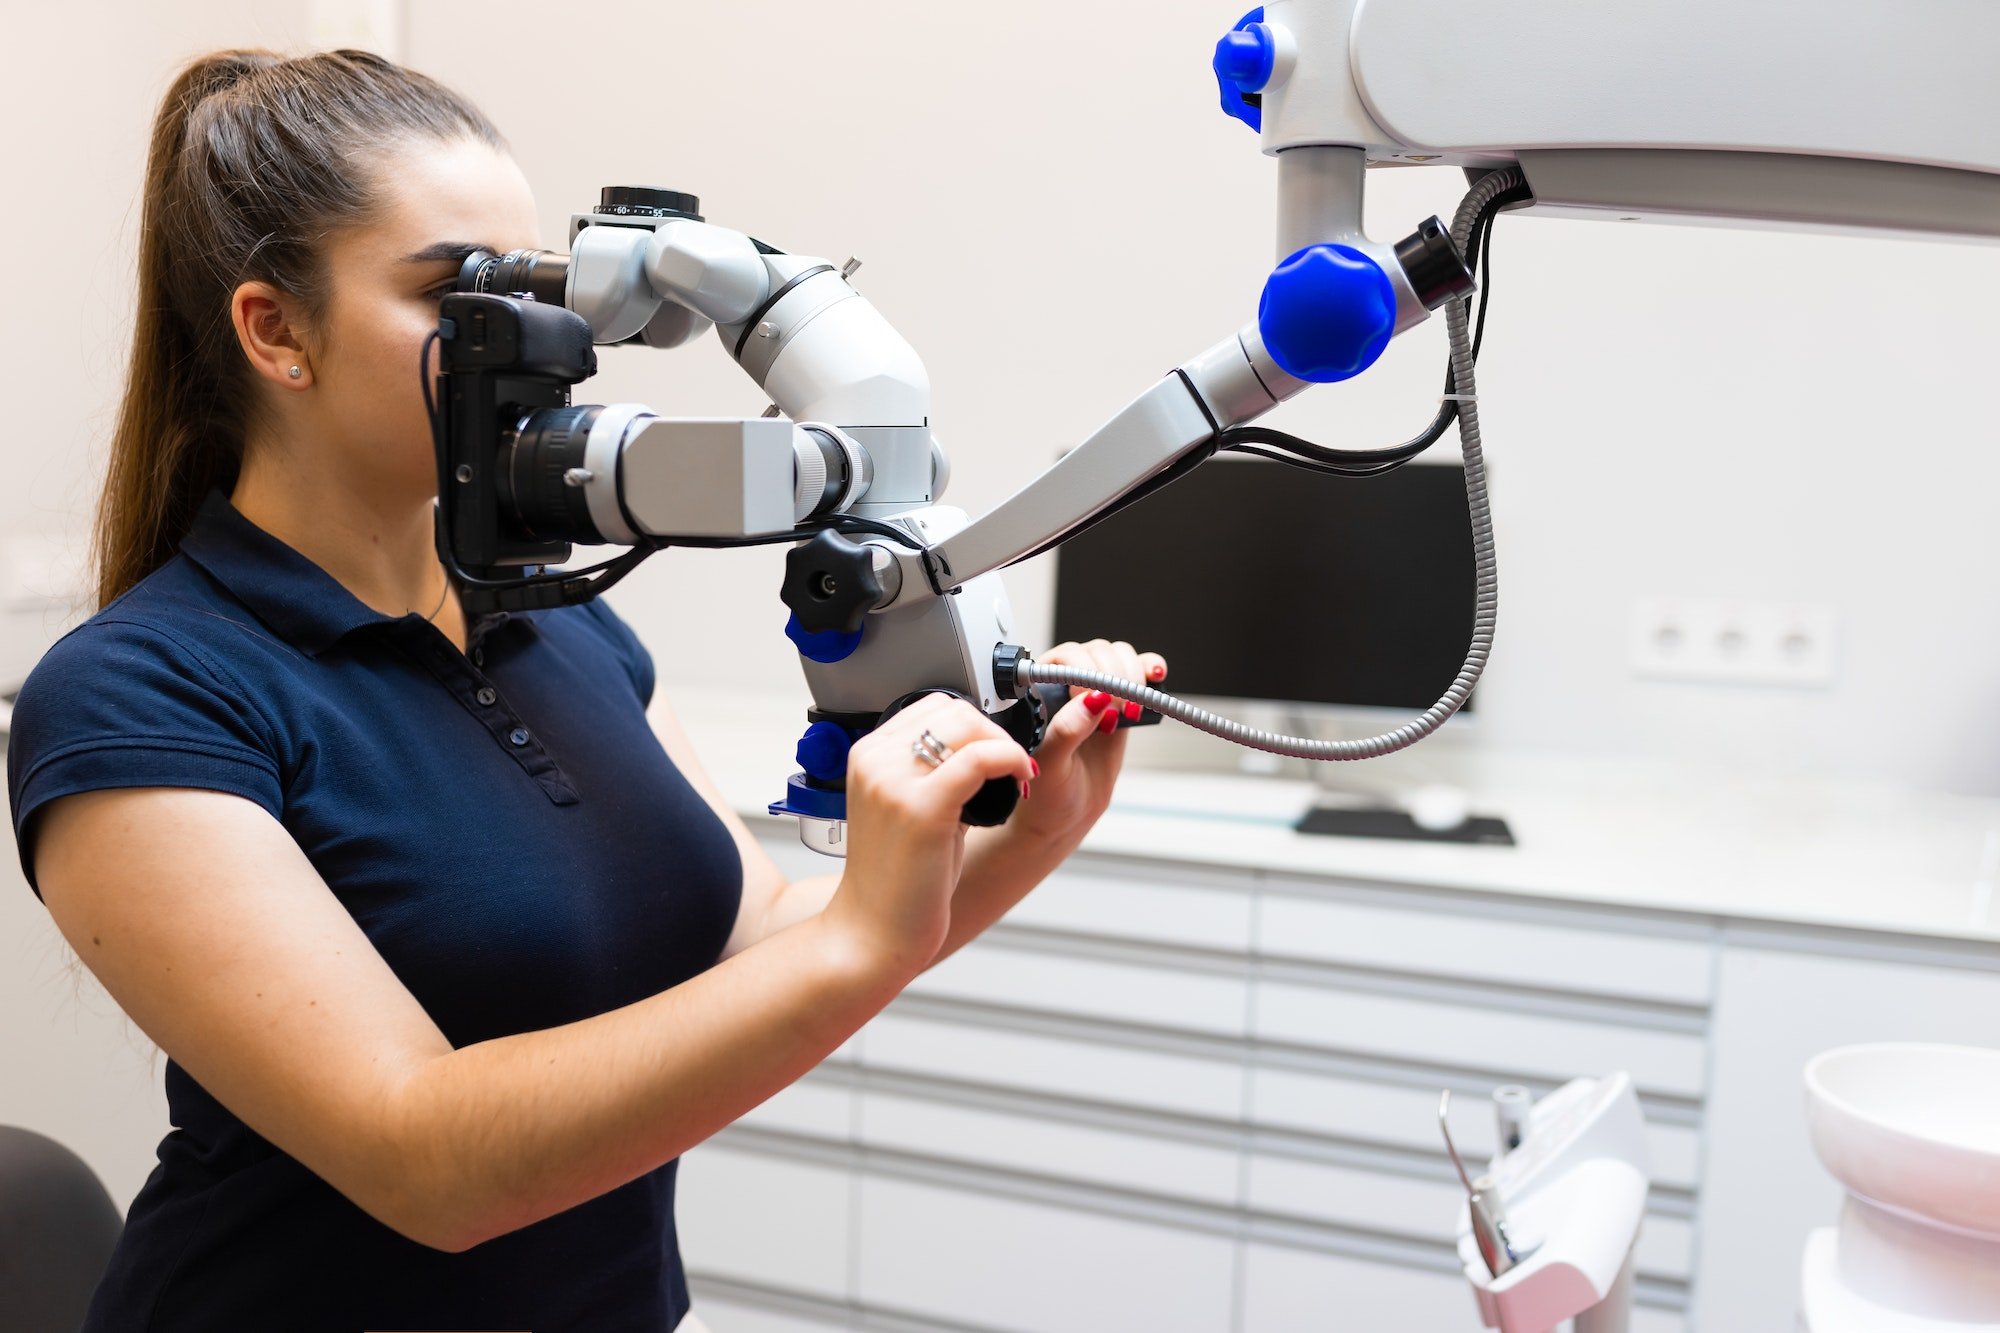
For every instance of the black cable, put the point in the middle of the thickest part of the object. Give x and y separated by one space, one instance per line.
1291 450
1290 460
842 523
1173 472
1331 459
1484 269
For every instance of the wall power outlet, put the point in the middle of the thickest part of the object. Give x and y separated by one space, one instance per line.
1731 642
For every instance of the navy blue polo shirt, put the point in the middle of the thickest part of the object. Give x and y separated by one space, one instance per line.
503 825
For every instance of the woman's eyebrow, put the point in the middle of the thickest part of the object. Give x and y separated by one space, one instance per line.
438 251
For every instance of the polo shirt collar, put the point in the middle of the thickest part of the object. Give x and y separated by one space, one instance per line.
301 602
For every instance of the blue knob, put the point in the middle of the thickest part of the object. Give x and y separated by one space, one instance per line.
822 751
1327 313
1244 59
832 645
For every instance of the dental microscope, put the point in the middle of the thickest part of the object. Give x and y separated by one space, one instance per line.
893 594
1867 116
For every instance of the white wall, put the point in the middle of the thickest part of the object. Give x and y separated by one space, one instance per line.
1054 211
84 79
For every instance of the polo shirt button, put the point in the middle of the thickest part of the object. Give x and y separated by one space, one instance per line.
518 735
486 695
479 657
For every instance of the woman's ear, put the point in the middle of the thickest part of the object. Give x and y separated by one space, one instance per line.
271 337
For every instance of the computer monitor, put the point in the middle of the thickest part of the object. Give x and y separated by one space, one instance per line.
1256 580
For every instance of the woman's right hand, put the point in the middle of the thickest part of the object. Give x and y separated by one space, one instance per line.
905 844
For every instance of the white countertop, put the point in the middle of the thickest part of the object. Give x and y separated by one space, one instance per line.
1612 833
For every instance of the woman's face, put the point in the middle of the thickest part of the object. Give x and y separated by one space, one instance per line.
438 201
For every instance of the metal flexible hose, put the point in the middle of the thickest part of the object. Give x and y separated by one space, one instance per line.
1487 579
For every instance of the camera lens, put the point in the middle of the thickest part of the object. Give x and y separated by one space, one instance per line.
535 460
542 274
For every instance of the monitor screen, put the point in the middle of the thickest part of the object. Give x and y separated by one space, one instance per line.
1256 580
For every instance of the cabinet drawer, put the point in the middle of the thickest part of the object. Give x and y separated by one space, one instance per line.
1083 1154
1455 941
1152 996
1293 1291
1162 908
954 1255
1464 1035
1056 1066
1371 1201
1406 1117
822 1110
726 1316
764 1220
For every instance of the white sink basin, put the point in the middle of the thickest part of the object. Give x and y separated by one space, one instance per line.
1913 1128
1913 1132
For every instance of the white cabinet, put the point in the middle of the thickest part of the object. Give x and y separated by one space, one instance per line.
962 1257
1001 976
1402 1116
918 1044
1166 1097
1484 1033
1541 948
765 1220
725 1310
1299 1291
1107 1155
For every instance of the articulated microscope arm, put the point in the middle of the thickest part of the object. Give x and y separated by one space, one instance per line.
1875 116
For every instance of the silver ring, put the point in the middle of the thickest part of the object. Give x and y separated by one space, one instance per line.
930 749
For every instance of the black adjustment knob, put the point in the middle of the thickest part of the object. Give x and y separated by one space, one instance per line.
1431 262
831 583
648 201
996 798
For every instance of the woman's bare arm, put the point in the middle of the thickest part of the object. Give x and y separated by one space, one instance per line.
209 927
769 903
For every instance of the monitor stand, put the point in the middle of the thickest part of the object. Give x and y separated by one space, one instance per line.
1358 811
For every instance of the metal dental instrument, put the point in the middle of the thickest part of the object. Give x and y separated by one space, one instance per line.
1511 1104
1482 1200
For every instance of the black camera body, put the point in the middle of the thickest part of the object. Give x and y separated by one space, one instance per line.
505 367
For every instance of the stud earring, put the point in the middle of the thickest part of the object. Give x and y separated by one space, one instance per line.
295 372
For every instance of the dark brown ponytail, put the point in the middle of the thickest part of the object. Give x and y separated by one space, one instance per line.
254 160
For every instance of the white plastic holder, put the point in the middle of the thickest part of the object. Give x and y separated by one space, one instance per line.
1575 1193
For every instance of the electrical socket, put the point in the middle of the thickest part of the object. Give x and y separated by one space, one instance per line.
1733 642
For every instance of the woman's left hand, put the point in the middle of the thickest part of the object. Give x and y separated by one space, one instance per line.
1083 750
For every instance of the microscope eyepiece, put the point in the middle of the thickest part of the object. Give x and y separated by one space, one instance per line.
542 274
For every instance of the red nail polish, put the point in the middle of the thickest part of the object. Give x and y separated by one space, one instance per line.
1132 711
1157 673
1024 791
1108 723
1034 769
1097 701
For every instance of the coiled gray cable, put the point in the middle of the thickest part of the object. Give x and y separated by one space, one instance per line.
1487 579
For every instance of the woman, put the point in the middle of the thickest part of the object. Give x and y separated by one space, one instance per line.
451 956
